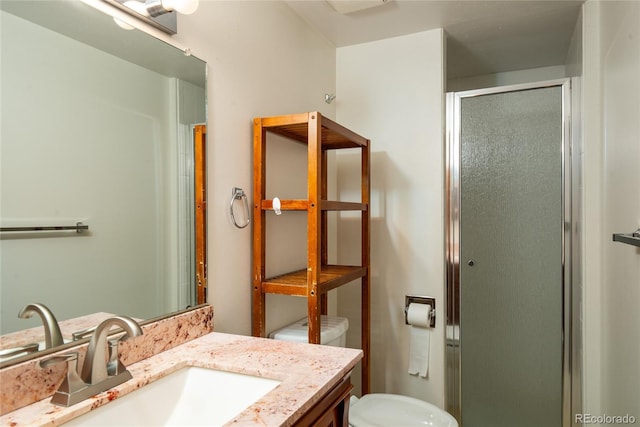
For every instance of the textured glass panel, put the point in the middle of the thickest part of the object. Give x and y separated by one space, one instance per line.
511 228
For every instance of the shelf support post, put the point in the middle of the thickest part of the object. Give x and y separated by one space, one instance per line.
258 317
324 257
366 261
314 241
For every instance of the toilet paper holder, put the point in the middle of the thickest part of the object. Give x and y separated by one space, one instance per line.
408 299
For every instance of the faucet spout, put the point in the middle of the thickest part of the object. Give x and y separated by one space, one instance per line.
52 333
94 369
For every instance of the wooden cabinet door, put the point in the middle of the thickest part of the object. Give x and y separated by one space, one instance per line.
332 410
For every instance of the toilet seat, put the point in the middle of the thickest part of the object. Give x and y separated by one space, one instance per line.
385 410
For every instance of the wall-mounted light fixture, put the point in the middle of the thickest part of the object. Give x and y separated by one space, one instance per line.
158 13
160 7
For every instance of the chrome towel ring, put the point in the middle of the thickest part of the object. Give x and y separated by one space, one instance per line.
238 194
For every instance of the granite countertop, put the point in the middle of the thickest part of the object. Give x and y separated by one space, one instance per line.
307 372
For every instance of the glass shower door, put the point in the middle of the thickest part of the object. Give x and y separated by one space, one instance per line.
510 260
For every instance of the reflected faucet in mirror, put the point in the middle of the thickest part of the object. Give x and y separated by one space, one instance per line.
52 333
97 375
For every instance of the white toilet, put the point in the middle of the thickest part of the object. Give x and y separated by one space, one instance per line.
376 409
386 410
333 331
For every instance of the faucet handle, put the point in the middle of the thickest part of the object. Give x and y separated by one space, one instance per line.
23 349
84 333
114 365
59 358
72 382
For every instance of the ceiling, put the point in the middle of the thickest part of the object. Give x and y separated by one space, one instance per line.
483 37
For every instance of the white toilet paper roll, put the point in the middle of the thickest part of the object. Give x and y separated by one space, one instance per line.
418 315
418 318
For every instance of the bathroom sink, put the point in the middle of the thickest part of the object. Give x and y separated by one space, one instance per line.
189 396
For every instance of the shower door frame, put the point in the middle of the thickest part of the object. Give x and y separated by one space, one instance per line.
571 327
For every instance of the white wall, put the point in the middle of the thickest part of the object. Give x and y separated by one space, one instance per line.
262 60
621 190
611 89
592 209
74 150
507 78
392 92
573 60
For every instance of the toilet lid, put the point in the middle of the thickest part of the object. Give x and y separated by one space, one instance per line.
385 410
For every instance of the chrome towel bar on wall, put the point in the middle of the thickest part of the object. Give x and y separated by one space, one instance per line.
78 228
630 239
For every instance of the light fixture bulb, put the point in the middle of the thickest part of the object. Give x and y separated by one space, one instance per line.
123 24
185 7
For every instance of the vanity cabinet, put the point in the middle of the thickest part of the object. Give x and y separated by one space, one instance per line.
332 410
320 135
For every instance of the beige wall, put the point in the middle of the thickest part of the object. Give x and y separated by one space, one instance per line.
621 201
592 205
262 60
611 95
392 91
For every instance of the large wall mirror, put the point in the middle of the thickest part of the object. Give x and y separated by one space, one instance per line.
98 126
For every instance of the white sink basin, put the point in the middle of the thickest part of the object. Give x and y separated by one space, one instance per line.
189 396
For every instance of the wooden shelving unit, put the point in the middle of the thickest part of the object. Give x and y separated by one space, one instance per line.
320 134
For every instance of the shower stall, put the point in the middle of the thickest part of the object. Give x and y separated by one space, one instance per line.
509 284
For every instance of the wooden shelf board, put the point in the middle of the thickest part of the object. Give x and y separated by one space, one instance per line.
295 126
337 129
295 283
303 205
329 205
287 205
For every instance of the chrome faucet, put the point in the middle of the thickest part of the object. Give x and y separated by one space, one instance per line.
99 372
52 333
94 369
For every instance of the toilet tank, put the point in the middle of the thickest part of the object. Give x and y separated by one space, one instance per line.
333 331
